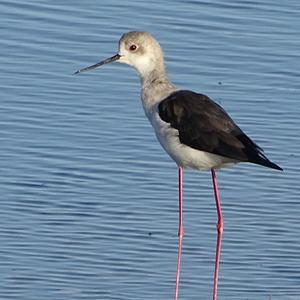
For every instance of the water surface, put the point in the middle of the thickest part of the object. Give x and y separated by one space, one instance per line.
88 204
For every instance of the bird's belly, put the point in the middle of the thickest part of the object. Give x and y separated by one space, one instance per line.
186 156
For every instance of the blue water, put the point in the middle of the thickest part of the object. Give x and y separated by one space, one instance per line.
88 203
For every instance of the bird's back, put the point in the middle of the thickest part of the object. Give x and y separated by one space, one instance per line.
204 125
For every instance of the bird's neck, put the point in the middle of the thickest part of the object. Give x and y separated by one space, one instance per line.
155 87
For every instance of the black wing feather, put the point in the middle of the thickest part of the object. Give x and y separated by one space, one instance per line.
204 125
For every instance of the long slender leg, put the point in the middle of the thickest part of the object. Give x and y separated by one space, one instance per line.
180 232
180 192
220 227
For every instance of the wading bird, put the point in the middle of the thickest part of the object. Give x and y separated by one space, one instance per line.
194 130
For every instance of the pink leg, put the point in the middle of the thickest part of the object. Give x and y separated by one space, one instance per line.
180 233
220 227
180 190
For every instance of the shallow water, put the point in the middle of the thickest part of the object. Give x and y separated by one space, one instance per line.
88 204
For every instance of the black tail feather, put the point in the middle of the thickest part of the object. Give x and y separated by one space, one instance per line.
266 163
255 154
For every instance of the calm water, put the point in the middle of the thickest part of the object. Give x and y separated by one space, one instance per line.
88 204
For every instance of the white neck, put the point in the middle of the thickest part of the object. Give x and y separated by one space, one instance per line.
155 87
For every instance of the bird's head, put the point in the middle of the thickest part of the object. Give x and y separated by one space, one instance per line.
137 49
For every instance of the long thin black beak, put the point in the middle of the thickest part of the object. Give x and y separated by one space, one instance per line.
101 63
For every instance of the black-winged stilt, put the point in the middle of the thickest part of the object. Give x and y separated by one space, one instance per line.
194 130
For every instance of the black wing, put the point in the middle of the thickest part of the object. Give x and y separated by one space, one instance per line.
204 125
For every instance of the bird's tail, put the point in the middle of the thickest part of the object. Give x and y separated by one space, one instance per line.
256 154
263 161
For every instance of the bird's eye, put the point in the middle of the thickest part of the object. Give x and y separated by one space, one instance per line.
133 47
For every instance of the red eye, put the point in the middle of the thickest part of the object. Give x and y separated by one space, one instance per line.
133 47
